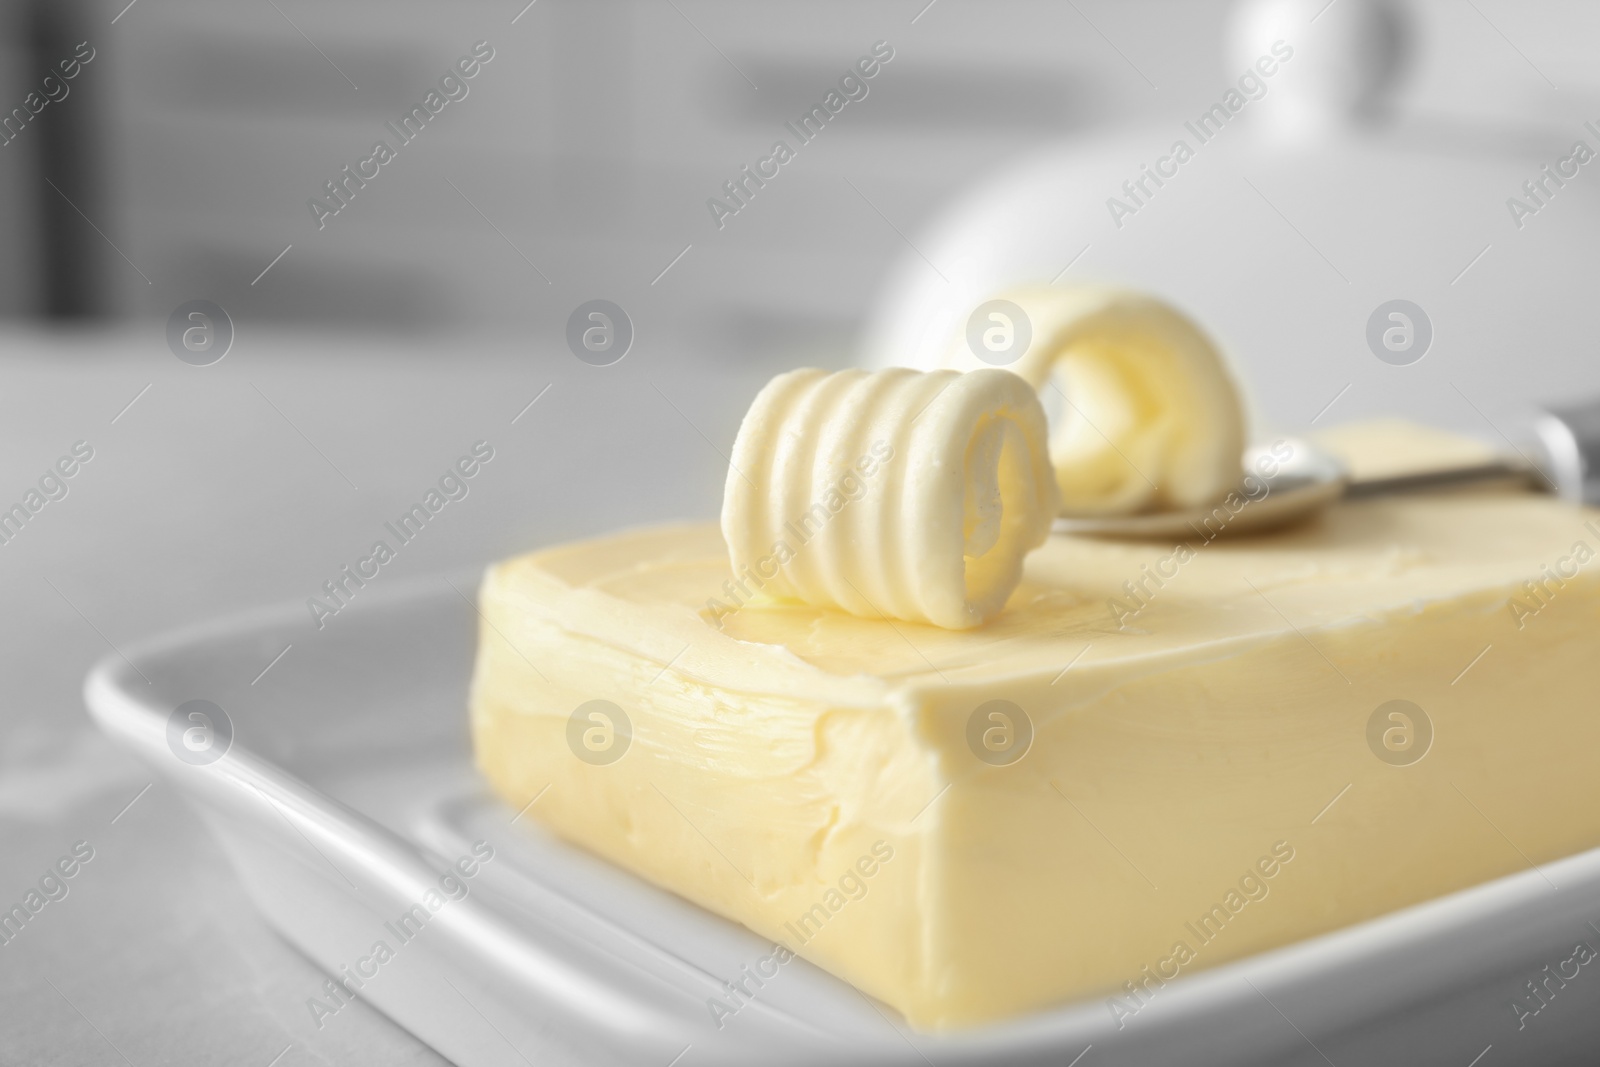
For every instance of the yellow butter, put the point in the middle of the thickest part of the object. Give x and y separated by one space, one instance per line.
1391 448
1212 766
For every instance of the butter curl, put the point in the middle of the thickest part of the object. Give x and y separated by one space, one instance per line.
904 494
1145 413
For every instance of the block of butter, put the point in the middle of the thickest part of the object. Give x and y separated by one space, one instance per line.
1157 759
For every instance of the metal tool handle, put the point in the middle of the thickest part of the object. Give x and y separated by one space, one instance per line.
1559 453
1566 441
1511 470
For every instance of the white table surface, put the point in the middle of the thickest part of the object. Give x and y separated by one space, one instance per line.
202 499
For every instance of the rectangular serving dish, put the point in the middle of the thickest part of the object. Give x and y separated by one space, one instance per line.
347 801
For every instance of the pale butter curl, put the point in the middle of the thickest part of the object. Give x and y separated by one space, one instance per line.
907 494
1150 416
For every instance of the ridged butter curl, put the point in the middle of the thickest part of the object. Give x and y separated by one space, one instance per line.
898 493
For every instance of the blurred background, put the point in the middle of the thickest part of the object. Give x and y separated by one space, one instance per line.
582 160
370 347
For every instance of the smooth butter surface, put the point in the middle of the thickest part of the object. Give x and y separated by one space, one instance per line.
1176 758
